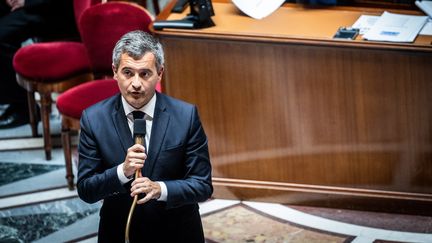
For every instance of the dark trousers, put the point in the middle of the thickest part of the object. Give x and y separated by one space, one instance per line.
10 91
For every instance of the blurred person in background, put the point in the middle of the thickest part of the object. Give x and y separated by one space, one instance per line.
21 20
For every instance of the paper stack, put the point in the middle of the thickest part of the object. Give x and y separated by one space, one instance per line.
396 28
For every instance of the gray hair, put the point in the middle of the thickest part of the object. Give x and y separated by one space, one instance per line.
136 44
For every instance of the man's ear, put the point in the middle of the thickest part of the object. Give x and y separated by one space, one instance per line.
160 72
114 71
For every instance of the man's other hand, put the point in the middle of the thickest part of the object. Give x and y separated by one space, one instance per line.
143 185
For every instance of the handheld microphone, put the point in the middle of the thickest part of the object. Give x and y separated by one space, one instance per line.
139 138
139 131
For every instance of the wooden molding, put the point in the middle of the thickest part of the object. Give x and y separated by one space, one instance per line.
318 189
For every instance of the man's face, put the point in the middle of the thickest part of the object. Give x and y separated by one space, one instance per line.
137 79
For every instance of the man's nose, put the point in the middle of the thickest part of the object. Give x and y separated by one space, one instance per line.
136 82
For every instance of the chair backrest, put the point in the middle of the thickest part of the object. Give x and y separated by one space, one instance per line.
102 25
81 5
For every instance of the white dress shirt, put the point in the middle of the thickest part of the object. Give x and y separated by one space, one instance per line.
148 109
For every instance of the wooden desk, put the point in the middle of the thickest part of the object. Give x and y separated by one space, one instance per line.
294 116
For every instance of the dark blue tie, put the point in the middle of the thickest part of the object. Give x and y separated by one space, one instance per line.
138 114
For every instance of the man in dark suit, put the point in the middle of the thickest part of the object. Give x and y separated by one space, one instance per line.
175 169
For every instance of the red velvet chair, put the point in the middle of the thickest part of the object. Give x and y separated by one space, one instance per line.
101 26
51 67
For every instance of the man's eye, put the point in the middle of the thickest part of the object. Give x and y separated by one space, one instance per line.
127 73
145 74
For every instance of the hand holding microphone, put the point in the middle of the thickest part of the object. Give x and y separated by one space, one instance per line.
136 156
134 160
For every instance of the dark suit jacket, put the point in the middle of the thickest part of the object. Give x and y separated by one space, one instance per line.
178 156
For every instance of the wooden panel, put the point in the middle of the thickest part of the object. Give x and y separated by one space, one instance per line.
299 122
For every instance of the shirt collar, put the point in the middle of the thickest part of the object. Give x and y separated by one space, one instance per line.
147 108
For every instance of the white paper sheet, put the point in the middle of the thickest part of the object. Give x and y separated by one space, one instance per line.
396 28
425 6
427 28
365 22
258 9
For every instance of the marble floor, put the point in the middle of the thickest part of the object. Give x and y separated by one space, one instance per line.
36 206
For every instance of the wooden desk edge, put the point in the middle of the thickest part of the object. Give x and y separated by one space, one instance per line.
289 40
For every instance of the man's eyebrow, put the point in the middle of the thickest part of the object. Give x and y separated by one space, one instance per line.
136 70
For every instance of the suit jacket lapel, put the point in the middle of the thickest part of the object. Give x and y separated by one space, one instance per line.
121 125
160 123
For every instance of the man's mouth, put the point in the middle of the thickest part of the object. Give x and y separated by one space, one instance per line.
135 93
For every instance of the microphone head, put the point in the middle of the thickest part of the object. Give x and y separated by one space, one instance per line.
139 127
